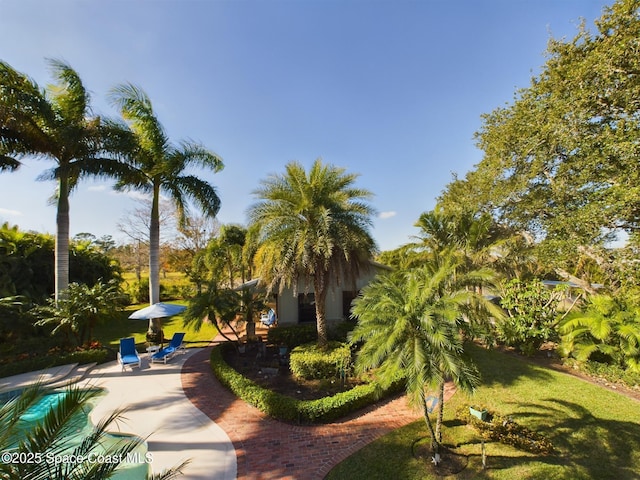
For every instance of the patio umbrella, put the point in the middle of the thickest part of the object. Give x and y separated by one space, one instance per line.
157 311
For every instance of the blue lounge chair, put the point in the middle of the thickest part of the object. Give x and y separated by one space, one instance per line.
127 355
170 350
269 319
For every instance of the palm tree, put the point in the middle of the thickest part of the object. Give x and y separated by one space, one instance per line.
608 329
313 226
82 309
46 439
160 167
56 124
409 321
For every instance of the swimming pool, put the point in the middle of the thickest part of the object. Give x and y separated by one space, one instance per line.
134 467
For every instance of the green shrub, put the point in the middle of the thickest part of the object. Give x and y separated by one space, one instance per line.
311 362
290 409
610 373
504 430
138 291
340 331
26 363
292 335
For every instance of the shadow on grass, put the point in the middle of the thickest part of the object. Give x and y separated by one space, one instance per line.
605 448
498 368
586 446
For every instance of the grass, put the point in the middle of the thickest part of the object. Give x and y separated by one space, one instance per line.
110 334
596 431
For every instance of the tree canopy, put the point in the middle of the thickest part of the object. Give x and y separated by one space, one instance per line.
560 161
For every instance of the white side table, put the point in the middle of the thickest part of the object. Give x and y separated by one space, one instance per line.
152 349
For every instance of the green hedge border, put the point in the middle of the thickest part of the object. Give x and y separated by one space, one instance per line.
289 409
33 364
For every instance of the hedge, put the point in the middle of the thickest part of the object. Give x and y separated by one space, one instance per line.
289 409
34 363
312 362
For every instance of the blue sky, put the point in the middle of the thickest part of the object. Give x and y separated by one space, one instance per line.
391 90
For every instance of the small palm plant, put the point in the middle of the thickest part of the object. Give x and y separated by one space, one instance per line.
409 323
39 448
606 330
82 308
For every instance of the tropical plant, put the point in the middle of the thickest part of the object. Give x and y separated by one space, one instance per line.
16 321
56 124
607 330
409 322
219 306
26 264
533 313
46 441
81 309
160 167
475 237
313 227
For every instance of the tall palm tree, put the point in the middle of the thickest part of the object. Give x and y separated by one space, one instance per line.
56 124
409 321
313 226
160 167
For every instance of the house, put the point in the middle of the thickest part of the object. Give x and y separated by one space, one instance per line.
294 307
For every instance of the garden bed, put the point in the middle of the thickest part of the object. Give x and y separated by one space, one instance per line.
265 366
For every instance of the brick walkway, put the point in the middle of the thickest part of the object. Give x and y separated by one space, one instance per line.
268 449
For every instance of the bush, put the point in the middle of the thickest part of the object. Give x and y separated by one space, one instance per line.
506 431
531 310
340 331
609 373
292 335
311 362
290 409
29 363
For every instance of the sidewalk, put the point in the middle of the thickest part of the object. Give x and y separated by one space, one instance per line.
269 449
157 408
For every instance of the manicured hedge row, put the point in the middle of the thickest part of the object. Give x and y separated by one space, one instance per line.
294 335
34 363
311 362
290 409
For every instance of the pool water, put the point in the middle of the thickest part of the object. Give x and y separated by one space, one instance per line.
38 410
137 469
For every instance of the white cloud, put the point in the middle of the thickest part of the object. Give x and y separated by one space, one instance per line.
385 215
97 188
136 195
11 213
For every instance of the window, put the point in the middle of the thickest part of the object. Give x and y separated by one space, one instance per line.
306 307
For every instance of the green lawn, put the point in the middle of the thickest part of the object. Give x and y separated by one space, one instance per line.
595 431
111 333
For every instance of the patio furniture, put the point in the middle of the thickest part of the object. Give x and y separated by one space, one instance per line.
127 354
152 349
269 319
166 353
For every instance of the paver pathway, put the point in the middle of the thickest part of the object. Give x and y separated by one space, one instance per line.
268 449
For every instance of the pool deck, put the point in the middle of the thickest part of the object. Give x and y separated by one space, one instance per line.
156 409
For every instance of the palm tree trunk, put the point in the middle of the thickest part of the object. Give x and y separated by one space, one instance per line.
440 412
320 294
154 247
435 444
62 238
